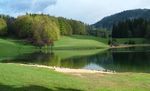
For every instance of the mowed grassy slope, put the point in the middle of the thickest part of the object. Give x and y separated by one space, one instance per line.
80 42
12 47
12 44
15 77
65 42
91 42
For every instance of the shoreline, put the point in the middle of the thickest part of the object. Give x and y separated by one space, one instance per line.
128 46
107 47
65 70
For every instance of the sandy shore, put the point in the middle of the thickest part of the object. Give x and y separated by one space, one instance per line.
67 70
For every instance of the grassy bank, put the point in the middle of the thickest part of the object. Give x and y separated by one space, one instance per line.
15 77
12 47
66 42
74 42
80 42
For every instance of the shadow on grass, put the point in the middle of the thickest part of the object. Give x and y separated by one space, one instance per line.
34 88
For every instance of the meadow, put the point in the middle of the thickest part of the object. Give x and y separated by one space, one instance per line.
14 77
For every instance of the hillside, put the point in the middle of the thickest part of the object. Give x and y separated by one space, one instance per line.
65 42
12 47
107 22
80 42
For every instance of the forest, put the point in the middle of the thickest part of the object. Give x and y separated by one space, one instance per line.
136 28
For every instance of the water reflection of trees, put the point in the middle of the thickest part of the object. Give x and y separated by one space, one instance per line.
109 60
41 58
99 59
131 61
114 61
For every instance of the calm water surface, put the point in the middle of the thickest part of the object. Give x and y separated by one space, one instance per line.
136 59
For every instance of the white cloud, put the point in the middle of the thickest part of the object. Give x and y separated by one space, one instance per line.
16 7
91 11
88 11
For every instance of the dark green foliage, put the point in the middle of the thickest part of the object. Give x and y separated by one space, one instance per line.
109 21
114 42
109 42
148 31
131 42
131 29
3 27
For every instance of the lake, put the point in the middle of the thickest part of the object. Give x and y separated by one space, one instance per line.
134 59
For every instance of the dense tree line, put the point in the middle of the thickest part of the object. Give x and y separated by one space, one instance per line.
40 29
98 32
8 21
69 26
78 27
65 27
132 29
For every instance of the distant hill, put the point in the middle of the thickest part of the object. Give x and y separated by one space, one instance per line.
107 22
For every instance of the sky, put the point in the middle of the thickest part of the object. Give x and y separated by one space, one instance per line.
88 11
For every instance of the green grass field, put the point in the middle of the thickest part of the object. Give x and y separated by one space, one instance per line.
14 77
11 47
66 42
74 42
80 42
